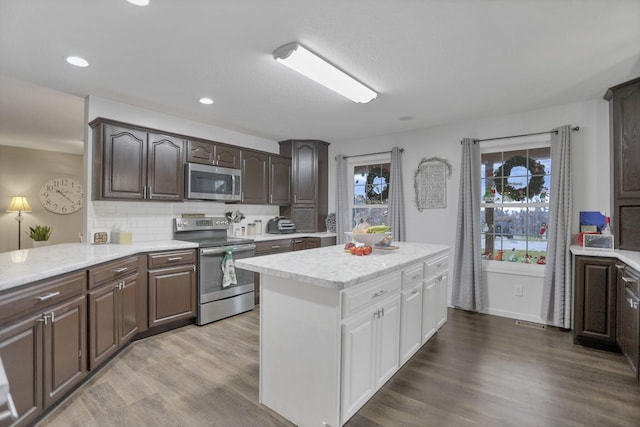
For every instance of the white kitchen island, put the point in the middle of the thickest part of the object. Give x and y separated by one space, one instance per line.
335 327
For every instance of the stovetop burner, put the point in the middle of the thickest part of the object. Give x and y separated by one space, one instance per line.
206 232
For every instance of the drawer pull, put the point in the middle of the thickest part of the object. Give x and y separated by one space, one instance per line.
275 247
378 294
48 296
415 291
120 270
177 258
628 279
416 276
620 267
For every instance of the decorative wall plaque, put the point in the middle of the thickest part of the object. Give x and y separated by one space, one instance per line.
430 183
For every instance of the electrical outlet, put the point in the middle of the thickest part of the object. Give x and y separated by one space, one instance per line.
518 291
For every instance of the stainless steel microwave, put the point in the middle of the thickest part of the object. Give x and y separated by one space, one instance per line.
206 182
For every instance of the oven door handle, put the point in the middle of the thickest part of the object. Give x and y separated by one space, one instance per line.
223 249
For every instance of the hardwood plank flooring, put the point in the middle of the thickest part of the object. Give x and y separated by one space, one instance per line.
478 370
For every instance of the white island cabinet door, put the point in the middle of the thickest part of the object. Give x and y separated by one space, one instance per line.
358 356
443 289
431 314
388 341
411 323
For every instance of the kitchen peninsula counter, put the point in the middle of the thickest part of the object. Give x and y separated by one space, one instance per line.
334 327
30 265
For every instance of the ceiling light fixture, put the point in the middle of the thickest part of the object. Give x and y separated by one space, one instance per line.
206 101
302 60
139 2
77 61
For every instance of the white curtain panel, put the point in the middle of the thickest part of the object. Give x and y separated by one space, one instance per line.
557 295
467 291
396 197
343 215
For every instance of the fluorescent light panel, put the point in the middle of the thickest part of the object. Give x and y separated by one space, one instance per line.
305 62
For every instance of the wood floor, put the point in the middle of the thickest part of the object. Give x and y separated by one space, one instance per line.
479 370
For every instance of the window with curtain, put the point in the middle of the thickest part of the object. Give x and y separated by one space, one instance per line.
514 210
369 193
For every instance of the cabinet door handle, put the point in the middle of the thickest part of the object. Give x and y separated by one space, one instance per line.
382 311
53 317
149 192
380 293
415 291
48 296
620 267
144 191
633 304
120 270
176 258
45 319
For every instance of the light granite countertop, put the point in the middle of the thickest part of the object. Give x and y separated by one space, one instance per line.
631 258
30 265
331 267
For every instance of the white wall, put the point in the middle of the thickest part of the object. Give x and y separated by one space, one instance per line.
153 220
591 182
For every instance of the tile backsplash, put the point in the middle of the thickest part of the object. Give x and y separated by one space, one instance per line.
151 221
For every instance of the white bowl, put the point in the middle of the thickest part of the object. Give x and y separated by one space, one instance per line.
366 238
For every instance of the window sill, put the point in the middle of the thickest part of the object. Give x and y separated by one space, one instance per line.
514 268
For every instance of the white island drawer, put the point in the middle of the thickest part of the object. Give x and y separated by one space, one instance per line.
438 265
368 293
413 275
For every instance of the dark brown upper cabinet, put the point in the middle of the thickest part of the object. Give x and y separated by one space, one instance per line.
309 186
255 177
208 153
134 164
624 116
279 180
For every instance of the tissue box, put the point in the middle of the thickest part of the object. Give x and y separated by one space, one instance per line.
121 237
598 241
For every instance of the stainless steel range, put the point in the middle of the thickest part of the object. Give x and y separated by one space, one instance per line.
215 301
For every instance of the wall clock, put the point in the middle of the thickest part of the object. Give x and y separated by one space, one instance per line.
61 195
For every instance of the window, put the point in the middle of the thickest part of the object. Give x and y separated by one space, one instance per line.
514 211
369 193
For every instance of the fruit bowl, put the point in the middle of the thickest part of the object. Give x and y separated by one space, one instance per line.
367 238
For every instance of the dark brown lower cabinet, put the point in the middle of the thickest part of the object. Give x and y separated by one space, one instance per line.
172 294
629 317
113 319
21 347
595 302
44 356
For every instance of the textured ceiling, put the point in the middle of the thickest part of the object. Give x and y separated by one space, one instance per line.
434 62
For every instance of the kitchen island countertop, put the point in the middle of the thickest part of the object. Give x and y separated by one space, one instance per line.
332 267
30 265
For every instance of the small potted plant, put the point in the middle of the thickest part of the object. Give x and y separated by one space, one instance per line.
40 235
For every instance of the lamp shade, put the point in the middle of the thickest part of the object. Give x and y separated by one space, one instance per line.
305 62
19 204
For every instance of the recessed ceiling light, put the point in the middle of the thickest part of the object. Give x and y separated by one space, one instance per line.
206 101
139 2
405 118
77 61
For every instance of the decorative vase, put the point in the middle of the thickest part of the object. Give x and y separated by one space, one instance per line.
39 243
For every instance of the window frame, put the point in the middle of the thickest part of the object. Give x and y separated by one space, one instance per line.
352 163
518 143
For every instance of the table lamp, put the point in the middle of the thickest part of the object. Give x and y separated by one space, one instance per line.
19 204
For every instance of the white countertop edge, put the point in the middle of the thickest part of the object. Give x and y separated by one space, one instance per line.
267 236
253 264
631 258
32 265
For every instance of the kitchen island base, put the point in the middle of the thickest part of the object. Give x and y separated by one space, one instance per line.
325 350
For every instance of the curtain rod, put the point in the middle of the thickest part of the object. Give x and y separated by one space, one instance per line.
370 154
576 129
